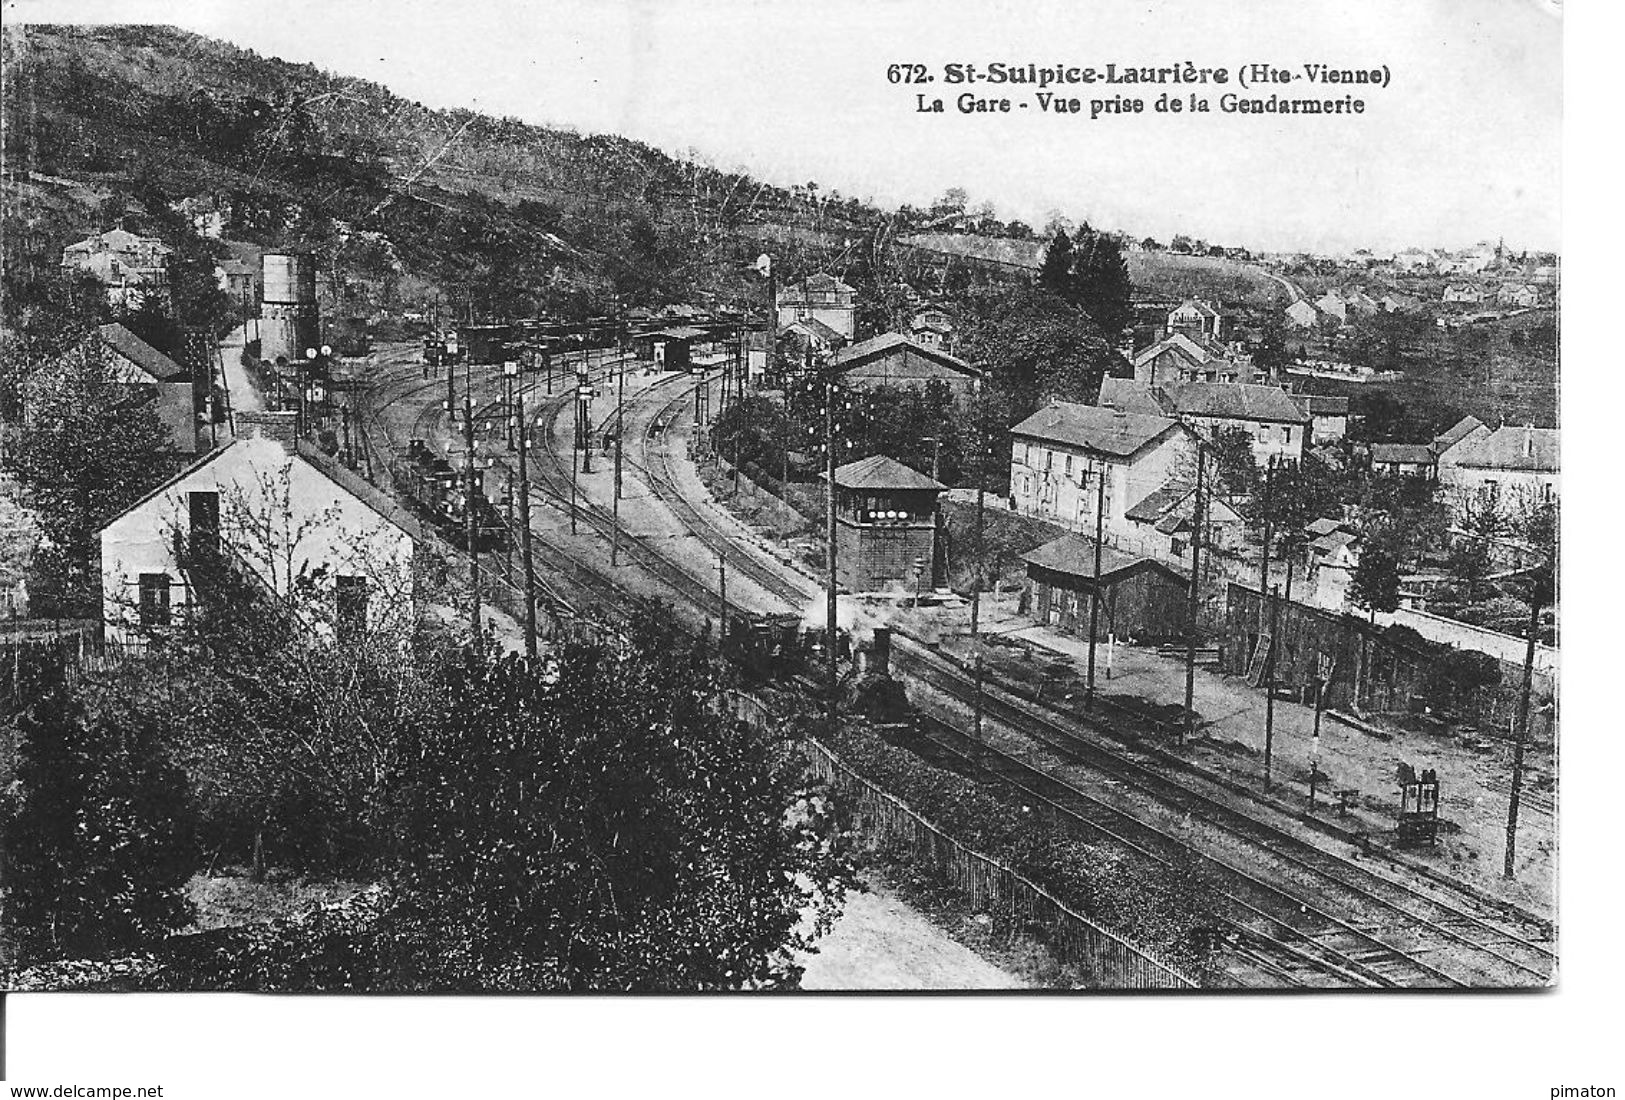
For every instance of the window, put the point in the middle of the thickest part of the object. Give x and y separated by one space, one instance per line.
1286 436
154 600
1178 547
1049 462
1068 465
1546 493
351 598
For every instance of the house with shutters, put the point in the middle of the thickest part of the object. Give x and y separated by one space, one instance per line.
1197 319
1061 455
820 297
267 512
1277 424
130 266
1512 470
1180 357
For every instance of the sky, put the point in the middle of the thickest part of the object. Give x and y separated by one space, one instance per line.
1462 145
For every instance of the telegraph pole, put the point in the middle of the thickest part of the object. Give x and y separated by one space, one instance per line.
620 445
1269 685
1524 692
524 530
981 554
1094 588
829 532
470 523
575 466
1264 573
722 595
1188 730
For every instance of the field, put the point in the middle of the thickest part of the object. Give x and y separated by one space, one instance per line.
1172 275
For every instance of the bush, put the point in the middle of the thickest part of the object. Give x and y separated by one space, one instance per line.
100 844
1168 909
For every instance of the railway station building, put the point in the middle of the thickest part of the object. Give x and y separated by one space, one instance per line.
887 526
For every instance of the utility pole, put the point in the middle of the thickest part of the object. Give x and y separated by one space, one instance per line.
584 406
575 467
981 555
620 445
524 529
1188 730
1524 692
470 522
829 532
722 595
1269 685
1094 587
1264 572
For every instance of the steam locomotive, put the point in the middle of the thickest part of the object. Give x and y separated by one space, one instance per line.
437 491
769 648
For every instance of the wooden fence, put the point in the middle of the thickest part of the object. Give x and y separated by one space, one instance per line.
1104 959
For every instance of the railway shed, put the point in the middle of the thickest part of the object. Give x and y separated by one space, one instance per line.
1140 598
668 348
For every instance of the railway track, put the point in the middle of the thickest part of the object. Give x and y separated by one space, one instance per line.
1297 915
1403 931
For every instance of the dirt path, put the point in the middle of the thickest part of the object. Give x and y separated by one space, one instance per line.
881 943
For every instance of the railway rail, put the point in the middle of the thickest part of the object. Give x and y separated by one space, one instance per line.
1298 915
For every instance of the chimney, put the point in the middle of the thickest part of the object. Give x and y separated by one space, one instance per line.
279 426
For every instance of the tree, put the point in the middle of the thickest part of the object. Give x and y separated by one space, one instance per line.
93 447
593 823
1100 283
101 843
1270 356
1236 471
1375 583
1469 563
1035 346
1055 273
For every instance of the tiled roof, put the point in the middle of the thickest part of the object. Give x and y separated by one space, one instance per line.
154 363
1107 431
1334 541
1452 435
1200 351
822 283
1075 556
1130 396
1319 405
1419 454
1158 503
817 328
679 332
1512 448
882 472
1323 526
1238 401
1192 303
877 346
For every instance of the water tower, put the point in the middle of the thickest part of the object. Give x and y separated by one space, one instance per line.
289 319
